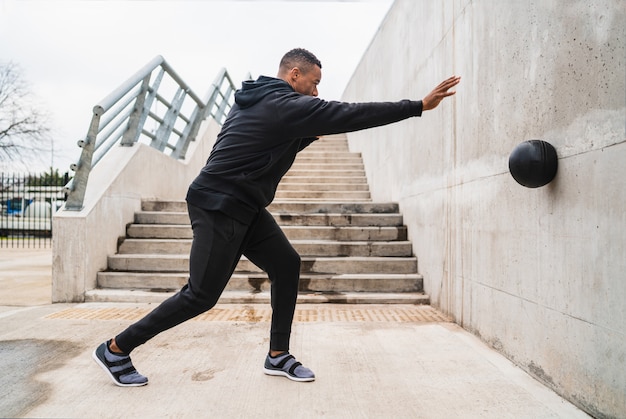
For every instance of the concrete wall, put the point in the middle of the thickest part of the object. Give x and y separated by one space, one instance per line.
537 273
120 181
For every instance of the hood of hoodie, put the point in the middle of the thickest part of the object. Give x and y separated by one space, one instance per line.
252 91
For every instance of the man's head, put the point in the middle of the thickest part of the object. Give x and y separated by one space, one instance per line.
302 70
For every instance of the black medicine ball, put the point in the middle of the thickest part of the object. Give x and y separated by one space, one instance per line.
533 163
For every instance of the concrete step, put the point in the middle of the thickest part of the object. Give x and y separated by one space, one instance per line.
336 220
312 200
258 282
171 231
325 172
309 187
339 220
329 207
322 265
327 148
338 207
323 195
327 166
327 158
246 297
349 180
327 154
303 247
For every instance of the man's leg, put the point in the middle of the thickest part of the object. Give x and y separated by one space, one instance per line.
215 251
269 249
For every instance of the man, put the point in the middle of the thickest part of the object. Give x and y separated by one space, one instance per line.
271 121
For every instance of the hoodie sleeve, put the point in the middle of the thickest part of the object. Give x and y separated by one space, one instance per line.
308 116
305 142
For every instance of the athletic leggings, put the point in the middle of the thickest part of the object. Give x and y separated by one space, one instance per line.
218 243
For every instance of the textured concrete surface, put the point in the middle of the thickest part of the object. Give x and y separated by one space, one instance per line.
26 273
371 361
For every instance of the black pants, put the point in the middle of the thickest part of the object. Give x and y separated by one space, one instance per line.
218 243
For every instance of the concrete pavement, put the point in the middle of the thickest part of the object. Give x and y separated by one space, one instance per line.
371 362
25 276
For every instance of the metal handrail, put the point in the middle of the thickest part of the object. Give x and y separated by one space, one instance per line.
121 118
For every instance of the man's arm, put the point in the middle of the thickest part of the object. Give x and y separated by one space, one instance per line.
308 116
434 98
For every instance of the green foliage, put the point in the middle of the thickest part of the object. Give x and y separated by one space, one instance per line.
51 178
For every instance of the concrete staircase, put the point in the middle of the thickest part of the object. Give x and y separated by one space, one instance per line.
353 250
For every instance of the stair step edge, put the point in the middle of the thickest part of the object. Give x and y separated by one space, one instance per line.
246 297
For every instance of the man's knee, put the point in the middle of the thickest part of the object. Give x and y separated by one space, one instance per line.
284 265
198 302
293 261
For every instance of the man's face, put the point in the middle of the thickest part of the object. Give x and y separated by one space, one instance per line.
306 83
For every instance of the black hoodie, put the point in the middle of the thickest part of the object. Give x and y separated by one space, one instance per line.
265 129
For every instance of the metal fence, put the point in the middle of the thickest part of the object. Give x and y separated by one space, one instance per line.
27 202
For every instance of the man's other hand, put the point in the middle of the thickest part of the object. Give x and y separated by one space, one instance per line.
432 100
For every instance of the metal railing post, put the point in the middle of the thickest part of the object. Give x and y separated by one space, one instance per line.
189 134
132 131
76 193
166 127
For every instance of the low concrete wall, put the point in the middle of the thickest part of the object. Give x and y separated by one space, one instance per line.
537 273
120 181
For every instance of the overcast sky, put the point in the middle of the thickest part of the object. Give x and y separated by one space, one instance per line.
74 53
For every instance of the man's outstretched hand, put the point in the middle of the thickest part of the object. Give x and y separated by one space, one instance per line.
432 100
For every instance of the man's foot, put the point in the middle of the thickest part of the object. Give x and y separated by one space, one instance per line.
286 365
118 366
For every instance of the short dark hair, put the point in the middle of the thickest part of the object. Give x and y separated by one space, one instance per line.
299 57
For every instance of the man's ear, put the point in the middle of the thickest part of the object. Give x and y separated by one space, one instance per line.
294 73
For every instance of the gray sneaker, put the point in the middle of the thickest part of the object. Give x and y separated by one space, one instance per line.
119 367
286 365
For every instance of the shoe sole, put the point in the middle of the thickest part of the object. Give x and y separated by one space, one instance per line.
104 367
281 373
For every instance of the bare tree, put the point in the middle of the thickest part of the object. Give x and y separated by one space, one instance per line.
24 133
